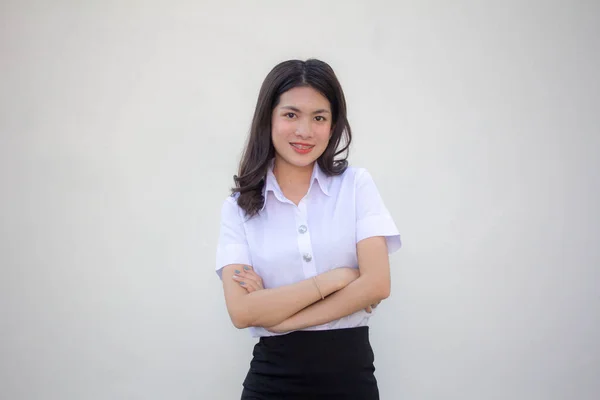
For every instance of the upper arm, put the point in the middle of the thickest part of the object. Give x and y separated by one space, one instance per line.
232 253
232 247
376 233
372 216
374 263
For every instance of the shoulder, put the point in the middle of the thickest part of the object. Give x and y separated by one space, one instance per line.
351 182
355 175
230 209
359 181
231 200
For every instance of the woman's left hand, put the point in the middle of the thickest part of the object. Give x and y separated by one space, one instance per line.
282 327
371 307
248 279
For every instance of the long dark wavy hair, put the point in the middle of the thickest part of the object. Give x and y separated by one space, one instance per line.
259 150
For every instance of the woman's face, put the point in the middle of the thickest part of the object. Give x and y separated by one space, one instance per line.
301 126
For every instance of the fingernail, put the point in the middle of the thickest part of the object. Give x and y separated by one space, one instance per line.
237 271
242 283
247 268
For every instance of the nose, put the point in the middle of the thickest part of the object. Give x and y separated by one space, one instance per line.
303 129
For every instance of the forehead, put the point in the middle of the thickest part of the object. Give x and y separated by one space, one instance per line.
303 97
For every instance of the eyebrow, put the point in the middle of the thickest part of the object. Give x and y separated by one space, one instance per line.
320 111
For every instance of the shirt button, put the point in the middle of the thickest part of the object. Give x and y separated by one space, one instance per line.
307 257
302 229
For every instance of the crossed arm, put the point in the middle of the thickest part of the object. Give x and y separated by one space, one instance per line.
299 305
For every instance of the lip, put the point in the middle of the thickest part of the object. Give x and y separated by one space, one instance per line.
307 147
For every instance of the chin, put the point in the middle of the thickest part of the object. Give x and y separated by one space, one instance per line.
300 162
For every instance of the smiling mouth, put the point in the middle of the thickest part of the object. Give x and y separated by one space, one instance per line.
302 146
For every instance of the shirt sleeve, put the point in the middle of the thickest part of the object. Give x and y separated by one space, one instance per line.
372 217
232 247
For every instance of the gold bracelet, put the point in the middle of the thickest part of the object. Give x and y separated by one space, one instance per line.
318 288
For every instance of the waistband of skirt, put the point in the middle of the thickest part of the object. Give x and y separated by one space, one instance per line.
360 333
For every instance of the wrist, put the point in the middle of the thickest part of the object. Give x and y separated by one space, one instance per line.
330 281
318 287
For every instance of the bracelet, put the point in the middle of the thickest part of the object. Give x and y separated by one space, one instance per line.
318 288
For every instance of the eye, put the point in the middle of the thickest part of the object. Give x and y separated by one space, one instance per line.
290 115
320 118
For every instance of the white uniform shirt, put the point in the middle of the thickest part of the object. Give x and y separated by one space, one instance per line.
286 243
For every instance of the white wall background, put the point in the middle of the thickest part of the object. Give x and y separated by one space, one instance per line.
121 126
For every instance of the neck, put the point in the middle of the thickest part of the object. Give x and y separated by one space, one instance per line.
290 175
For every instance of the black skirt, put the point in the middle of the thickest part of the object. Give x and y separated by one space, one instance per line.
331 364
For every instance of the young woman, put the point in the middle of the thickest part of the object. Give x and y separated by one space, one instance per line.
304 243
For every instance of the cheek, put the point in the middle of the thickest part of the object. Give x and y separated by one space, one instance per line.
280 129
323 134
275 133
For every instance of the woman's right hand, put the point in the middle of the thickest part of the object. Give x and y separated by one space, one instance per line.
248 279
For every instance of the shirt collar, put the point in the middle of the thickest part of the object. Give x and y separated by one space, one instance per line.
271 184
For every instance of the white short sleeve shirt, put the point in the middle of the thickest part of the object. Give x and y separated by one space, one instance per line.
287 243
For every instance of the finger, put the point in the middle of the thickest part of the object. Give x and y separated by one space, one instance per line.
369 310
247 284
244 268
251 281
250 278
240 281
249 273
251 286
